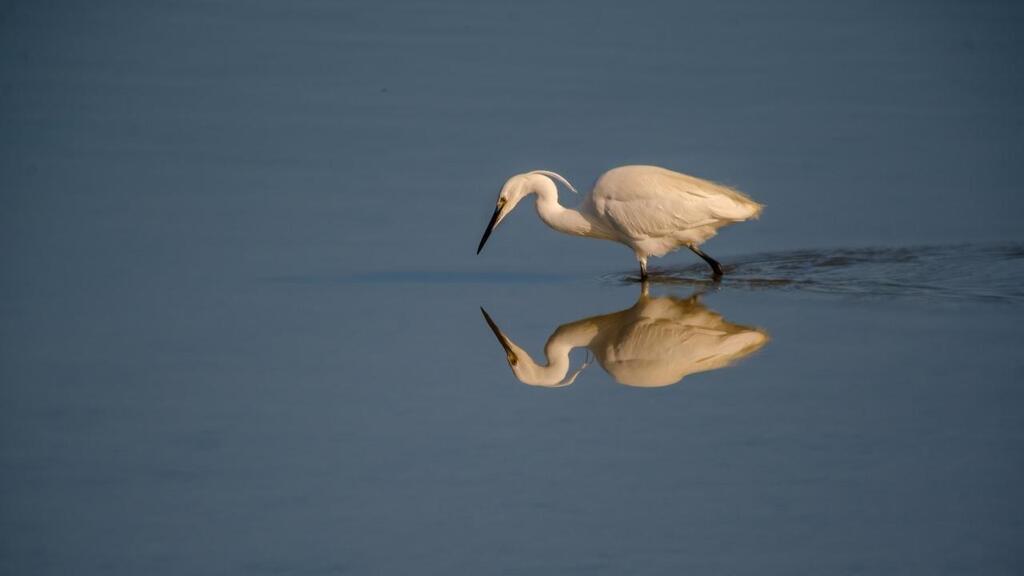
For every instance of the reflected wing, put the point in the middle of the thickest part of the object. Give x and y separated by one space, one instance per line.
664 339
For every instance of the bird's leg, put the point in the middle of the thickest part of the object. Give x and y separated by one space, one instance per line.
716 268
643 269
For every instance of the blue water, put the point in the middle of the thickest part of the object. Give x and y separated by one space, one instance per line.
963 273
241 306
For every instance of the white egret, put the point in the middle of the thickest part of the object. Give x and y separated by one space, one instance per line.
650 209
654 343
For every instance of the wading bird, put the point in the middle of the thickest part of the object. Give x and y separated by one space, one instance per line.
654 343
650 209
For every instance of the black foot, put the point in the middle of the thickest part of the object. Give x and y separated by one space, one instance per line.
716 268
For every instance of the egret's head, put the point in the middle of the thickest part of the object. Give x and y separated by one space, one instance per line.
514 190
554 375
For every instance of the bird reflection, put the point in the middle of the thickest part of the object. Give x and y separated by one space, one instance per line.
656 342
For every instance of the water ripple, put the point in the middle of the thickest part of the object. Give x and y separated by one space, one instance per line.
993 272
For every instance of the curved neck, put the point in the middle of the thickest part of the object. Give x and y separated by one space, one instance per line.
556 353
552 374
557 216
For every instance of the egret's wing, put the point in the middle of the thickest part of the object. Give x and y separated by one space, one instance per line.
668 339
646 201
655 217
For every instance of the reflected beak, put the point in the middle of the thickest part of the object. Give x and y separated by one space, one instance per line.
490 228
509 353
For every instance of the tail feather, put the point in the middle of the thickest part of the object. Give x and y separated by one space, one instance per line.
734 208
736 205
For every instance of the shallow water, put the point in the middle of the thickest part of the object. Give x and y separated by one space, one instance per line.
372 423
241 307
985 272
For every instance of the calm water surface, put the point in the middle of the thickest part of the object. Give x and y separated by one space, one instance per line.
241 307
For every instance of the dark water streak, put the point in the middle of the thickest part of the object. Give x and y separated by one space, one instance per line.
988 273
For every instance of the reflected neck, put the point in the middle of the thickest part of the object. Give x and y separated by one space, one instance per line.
556 353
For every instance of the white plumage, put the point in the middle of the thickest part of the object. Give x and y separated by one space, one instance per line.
650 209
656 342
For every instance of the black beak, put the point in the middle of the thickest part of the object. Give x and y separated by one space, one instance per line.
490 227
512 359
